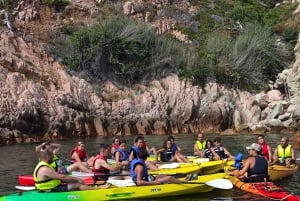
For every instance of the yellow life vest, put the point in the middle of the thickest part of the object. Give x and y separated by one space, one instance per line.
284 152
47 184
201 146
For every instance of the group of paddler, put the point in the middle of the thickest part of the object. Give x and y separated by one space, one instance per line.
52 175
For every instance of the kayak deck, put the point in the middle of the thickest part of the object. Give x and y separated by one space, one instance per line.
265 189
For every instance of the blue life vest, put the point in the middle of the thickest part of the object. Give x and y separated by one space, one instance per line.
132 172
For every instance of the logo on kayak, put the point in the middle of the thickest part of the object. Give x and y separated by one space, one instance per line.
155 190
73 197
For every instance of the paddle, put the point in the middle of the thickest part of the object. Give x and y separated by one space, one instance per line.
84 174
216 183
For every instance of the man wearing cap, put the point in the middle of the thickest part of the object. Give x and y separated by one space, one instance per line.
256 166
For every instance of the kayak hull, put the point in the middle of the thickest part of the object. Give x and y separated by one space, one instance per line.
117 193
265 189
277 172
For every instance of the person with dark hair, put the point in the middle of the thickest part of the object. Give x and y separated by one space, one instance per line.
177 150
209 151
167 154
265 148
115 145
136 148
100 165
284 154
140 176
221 150
122 158
48 180
255 166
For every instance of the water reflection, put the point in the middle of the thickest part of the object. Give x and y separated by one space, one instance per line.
21 159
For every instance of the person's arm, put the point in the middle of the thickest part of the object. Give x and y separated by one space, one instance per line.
197 152
242 172
103 163
228 154
270 154
293 153
275 156
64 178
55 147
75 156
139 172
158 152
131 156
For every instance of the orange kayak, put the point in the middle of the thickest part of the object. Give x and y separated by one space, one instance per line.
265 189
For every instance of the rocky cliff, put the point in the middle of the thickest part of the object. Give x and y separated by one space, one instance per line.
39 99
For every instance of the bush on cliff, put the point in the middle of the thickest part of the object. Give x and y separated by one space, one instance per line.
122 50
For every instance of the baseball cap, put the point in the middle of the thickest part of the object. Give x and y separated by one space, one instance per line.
255 147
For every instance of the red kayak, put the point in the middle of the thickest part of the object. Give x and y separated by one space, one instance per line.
266 189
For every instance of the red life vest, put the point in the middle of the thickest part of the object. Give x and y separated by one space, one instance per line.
264 151
100 170
81 153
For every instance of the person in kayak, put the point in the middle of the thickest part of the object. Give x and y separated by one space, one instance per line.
48 180
140 176
177 150
115 145
221 150
284 154
79 154
265 148
136 148
209 151
57 163
122 158
199 145
168 155
100 165
256 166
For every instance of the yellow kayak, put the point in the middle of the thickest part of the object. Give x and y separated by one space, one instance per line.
278 171
201 184
211 167
177 169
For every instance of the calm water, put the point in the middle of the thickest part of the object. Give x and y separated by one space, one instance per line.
21 159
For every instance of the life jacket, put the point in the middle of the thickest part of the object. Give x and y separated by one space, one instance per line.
145 171
264 151
208 153
81 153
124 154
135 150
201 145
166 155
47 184
220 151
284 153
101 170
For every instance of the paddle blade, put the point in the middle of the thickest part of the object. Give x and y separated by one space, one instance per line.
81 174
220 183
25 188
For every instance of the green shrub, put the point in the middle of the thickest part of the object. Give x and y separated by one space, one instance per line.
256 57
123 50
290 35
